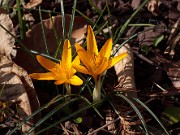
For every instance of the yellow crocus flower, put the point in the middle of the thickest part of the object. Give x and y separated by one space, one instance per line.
62 72
96 63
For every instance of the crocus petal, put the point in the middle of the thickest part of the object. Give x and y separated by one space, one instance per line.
76 61
43 76
80 48
59 82
84 56
75 80
102 67
106 49
91 41
116 59
66 55
81 69
46 63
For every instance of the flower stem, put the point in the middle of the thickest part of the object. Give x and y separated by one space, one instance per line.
68 88
97 90
68 91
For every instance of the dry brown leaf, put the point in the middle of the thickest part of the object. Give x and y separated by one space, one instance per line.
28 17
35 40
18 87
33 3
135 4
7 41
168 92
125 71
110 119
172 69
147 37
173 39
14 91
153 6
173 72
14 81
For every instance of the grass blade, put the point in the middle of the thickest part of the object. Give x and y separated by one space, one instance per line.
21 27
128 21
63 21
49 115
66 118
43 32
136 110
72 19
155 117
58 40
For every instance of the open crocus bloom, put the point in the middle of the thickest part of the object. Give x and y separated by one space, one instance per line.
95 63
61 72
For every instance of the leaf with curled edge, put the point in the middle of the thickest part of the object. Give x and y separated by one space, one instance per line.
15 84
18 87
35 40
125 71
7 41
